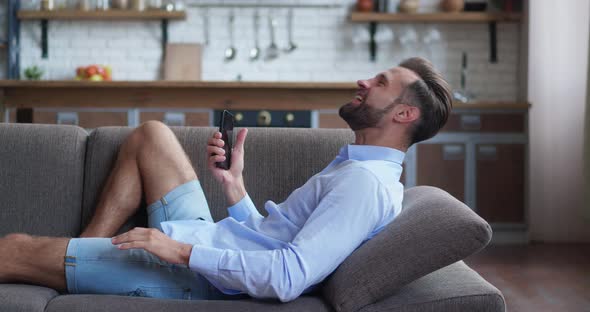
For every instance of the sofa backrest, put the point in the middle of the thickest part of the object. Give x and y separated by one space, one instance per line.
277 161
41 174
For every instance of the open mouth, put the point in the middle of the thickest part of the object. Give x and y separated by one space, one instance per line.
359 98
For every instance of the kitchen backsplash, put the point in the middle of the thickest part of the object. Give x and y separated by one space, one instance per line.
329 47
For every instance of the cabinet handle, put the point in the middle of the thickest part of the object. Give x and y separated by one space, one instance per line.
264 118
453 152
174 119
487 152
470 122
67 118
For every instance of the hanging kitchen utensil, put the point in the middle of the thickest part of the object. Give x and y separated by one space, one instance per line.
272 52
291 46
255 51
205 13
230 52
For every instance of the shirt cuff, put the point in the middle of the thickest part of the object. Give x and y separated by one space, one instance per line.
205 260
242 209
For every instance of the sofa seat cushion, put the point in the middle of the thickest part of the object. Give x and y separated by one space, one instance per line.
102 303
453 288
433 230
21 298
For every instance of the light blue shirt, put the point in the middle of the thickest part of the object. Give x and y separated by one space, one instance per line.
304 238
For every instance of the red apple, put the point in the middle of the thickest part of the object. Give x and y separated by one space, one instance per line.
91 70
81 72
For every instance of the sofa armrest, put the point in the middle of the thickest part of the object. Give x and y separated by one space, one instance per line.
433 230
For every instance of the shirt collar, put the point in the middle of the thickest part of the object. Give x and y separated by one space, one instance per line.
371 152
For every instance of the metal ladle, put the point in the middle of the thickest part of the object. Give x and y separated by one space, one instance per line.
272 52
292 46
205 14
230 52
255 51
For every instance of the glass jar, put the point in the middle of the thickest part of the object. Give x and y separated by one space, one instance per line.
137 5
103 5
120 4
47 5
85 5
155 4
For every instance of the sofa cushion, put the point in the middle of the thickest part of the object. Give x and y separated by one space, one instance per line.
453 288
277 161
41 173
101 303
24 298
433 230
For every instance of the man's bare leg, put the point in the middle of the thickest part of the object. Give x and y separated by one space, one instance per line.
33 260
150 160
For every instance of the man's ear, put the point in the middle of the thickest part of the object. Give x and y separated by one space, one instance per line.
403 113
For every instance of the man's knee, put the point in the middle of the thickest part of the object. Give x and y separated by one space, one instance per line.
154 131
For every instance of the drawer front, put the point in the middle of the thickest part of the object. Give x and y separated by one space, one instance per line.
331 120
191 119
443 166
88 120
488 122
500 182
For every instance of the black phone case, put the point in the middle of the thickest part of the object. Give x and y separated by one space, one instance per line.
226 127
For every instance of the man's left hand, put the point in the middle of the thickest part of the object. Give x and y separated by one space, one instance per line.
156 243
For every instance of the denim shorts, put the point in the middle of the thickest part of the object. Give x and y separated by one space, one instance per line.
96 266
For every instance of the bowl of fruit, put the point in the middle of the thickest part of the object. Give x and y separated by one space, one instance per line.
94 73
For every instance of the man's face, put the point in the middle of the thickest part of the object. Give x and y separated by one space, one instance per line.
374 98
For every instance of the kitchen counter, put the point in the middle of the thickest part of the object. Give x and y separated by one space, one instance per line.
198 94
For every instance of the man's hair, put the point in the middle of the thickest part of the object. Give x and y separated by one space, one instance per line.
431 94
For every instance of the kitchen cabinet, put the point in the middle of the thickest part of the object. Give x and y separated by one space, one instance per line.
500 182
443 166
84 119
330 119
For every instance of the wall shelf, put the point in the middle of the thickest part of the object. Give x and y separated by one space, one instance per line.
100 15
44 16
455 18
461 17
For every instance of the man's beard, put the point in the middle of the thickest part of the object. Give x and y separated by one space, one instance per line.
362 116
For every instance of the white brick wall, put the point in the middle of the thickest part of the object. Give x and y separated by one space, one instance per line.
326 51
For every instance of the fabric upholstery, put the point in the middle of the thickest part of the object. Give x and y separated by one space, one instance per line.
24 298
272 172
93 303
43 169
41 173
453 288
433 230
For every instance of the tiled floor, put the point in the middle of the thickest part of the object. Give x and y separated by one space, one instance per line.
538 277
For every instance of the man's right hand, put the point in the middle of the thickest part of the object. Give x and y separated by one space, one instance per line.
231 180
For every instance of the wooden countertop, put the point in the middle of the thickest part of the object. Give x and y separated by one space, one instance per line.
184 94
176 84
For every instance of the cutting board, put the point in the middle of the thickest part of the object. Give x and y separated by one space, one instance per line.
182 61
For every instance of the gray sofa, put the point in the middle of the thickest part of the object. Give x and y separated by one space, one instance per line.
51 177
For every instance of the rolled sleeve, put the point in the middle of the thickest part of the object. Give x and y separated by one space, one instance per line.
242 209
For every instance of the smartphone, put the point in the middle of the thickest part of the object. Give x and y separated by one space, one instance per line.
226 127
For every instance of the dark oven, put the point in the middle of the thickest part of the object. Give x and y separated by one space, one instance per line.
269 118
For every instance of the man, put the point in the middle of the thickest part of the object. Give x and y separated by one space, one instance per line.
184 254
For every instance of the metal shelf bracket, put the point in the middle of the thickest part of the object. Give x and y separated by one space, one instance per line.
164 36
44 44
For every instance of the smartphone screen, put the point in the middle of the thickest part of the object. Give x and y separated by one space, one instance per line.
226 127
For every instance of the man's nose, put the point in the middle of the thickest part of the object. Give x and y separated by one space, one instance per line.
363 84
